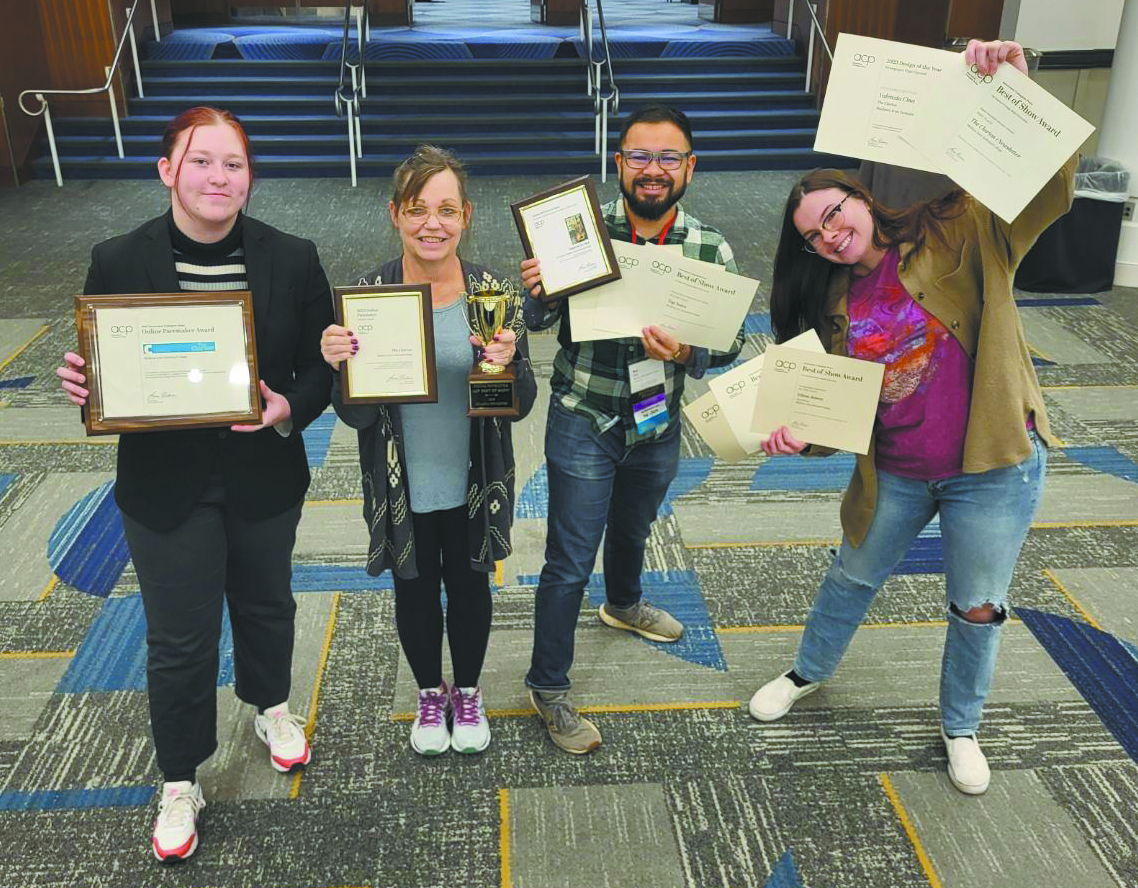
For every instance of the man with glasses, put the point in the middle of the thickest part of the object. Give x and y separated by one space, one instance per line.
612 438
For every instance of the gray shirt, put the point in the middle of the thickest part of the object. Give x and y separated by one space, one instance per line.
437 436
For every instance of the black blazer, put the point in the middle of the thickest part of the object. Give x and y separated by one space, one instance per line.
161 475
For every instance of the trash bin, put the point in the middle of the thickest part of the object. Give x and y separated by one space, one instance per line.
1077 253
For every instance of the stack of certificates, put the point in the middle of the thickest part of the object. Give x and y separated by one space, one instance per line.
822 398
999 136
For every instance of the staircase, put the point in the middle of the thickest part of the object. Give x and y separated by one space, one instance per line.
501 116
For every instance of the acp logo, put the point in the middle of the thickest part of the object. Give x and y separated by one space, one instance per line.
661 267
711 412
122 330
737 387
627 261
365 328
785 366
862 59
980 78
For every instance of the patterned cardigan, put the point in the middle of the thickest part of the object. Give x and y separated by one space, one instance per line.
383 465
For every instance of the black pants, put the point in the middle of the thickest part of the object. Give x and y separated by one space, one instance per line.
442 552
185 575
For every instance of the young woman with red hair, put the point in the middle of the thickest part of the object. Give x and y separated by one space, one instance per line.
210 515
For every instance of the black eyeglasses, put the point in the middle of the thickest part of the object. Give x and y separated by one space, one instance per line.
832 222
638 159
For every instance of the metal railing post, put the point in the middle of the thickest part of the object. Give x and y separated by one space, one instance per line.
114 111
362 43
154 18
604 140
355 105
51 140
134 54
810 56
790 21
352 140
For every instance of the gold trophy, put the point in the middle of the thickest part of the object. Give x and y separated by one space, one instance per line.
492 306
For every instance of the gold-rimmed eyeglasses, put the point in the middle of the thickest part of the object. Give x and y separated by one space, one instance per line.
447 215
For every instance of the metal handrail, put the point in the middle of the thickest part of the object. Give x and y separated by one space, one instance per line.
108 88
348 98
815 29
599 64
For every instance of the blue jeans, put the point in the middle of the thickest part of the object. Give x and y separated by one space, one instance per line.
597 485
983 520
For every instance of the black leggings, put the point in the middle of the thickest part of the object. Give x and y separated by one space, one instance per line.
442 553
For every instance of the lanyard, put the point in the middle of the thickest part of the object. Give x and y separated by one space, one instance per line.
663 232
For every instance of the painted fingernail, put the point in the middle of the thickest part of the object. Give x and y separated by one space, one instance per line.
355 348
355 342
350 333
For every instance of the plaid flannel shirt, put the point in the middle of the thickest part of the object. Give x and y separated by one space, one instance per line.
591 378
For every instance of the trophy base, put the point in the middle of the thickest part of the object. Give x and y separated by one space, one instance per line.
492 394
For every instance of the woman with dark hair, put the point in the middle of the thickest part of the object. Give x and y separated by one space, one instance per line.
961 428
210 515
438 485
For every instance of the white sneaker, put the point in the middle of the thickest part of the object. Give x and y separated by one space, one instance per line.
470 729
282 732
430 734
773 700
967 766
176 830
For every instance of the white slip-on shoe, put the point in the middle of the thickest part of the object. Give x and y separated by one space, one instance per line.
967 765
175 834
773 700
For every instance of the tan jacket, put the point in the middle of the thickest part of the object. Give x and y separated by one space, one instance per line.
967 286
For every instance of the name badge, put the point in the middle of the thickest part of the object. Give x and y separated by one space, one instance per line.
649 402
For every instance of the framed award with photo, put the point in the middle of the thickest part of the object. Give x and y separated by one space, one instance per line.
564 228
396 360
160 361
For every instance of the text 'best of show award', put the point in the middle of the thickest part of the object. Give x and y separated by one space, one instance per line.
492 306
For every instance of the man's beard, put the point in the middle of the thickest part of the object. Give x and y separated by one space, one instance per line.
656 208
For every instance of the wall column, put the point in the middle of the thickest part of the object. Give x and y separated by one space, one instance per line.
1119 137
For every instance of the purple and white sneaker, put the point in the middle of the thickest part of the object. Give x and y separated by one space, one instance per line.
430 734
471 729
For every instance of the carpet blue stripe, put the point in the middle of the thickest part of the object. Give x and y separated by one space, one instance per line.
804 473
757 324
1103 459
6 481
785 874
1098 664
17 383
318 438
1049 301
112 657
338 578
679 593
63 799
88 546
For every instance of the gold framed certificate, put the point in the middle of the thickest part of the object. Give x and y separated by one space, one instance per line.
564 228
395 330
160 361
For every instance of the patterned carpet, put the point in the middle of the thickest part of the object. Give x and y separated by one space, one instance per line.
848 791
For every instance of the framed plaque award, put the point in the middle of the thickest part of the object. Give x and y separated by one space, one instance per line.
396 361
159 361
564 228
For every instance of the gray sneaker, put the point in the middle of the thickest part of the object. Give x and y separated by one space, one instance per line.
566 727
644 619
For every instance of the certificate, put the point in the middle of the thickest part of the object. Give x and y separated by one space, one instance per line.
1000 136
738 388
876 89
564 228
162 361
706 416
824 399
394 328
614 310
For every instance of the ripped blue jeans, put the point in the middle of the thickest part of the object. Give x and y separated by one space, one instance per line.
983 520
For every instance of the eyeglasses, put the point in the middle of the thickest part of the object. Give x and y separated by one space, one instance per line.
832 222
446 215
668 160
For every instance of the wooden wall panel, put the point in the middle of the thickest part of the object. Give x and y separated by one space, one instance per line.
201 12
22 66
975 18
78 42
